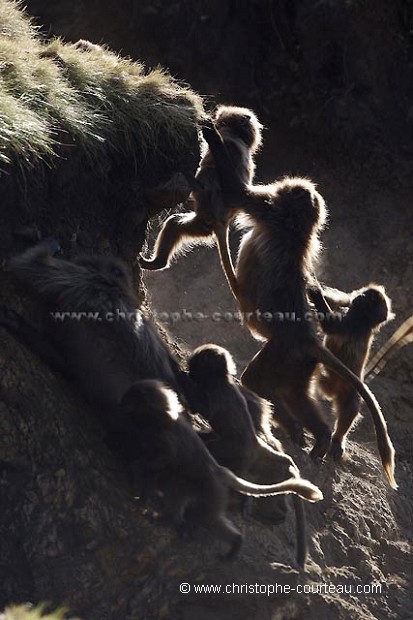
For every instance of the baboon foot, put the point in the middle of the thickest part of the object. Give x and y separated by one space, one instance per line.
336 449
151 265
321 446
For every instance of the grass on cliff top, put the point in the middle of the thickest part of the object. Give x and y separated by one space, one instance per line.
22 612
52 93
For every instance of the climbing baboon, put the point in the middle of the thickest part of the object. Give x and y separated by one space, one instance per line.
240 420
241 133
275 266
93 323
175 460
107 346
226 406
349 337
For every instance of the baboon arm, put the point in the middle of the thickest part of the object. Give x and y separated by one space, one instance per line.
317 297
335 297
47 276
331 322
232 185
327 299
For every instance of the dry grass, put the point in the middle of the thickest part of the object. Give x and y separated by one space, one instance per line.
23 612
52 92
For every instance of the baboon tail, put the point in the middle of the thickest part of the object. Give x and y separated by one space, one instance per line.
301 487
402 336
222 234
385 446
299 510
301 531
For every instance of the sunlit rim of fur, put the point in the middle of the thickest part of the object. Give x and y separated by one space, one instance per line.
174 407
232 109
243 220
289 182
231 366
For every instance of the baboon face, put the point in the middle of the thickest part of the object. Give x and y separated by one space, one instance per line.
300 212
111 269
374 305
232 121
211 362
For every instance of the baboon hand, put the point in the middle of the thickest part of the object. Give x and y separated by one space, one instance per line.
208 130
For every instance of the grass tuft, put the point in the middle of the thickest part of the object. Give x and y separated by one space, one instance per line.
26 612
52 93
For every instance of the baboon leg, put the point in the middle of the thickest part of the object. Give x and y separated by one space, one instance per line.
347 410
177 501
226 531
290 424
260 377
304 408
172 236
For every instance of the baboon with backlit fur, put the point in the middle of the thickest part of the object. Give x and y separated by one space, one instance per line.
275 267
349 337
175 460
239 420
107 352
241 133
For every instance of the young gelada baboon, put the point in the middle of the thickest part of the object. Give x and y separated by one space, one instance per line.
237 439
172 455
275 266
93 322
349 336
226 406
241 133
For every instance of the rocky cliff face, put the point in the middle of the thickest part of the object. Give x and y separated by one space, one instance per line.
331 81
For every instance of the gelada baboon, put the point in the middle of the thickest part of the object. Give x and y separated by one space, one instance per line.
107 345
223 403
402 336
239 439
177 462
349 337
92 321
276 260
241 132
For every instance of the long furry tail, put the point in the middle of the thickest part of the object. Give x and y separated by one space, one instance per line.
402 336
385 446
301 487
301 531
